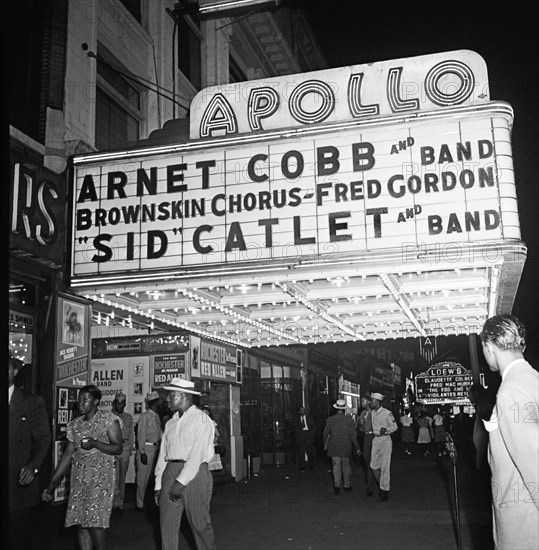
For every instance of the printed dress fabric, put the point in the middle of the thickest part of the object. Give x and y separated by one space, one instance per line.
424 430
92 473
408 435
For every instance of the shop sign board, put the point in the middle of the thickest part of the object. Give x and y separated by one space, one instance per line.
445 382
415 184
357 92
36 209
167 367
211 360
382 377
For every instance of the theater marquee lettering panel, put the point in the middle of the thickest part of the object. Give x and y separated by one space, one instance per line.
357 190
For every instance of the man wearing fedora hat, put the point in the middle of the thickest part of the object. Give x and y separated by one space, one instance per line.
148 438
183 481
383 425
340 437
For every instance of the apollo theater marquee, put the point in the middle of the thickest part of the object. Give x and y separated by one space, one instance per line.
365 202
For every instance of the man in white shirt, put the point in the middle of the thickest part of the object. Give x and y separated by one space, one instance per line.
513 436
183 481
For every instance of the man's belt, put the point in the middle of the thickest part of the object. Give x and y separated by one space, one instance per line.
152 444
368 433
175 461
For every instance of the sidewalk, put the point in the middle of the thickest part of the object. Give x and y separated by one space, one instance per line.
286 509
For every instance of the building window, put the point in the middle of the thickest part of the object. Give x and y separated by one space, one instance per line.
235 73
133 7
24 43
189 49
118 106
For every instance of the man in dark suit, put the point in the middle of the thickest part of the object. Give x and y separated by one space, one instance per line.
305 427
29 441
340 440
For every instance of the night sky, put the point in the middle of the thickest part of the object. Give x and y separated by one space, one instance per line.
505 35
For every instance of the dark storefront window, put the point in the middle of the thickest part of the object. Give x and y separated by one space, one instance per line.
280 395
250 408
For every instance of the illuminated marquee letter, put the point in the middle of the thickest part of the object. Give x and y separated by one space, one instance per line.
397 104
219 115
262 103
448 95
327 103
354 99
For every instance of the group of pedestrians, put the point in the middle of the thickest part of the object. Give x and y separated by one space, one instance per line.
179 458
376 424
184 483
423 430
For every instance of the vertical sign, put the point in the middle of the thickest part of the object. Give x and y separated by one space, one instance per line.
71 373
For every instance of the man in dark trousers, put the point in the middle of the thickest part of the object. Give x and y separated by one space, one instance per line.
305 427
29 441
183 481
365 429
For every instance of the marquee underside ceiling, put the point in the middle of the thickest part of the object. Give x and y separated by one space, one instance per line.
383 296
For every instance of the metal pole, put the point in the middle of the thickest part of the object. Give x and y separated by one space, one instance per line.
457 507
452 450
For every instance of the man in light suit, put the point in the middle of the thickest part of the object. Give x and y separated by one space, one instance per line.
513 436
29 441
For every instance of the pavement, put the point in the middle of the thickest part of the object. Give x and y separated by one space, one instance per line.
283 508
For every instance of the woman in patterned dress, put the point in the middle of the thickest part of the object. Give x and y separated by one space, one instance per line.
407 434
94 438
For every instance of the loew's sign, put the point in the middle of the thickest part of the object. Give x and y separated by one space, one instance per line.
357 92
361 189
445 382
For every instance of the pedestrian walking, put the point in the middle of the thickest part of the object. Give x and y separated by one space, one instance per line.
439 431
29 441
424 434
383 425
122 461
183 482
149 435
513 436
94 439
340 441
215 464
367 436
407 433
304 428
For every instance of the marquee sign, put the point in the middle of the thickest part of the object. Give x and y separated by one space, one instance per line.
360 189
358 92
445 382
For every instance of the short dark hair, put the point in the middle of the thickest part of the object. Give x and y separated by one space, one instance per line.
506 332
93 390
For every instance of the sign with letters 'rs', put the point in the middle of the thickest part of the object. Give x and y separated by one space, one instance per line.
319 196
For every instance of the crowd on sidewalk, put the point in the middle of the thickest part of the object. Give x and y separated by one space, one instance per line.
176 459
